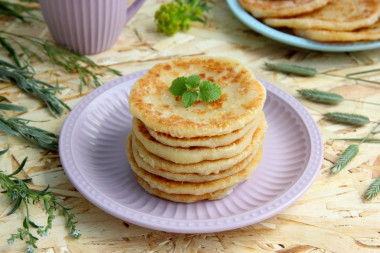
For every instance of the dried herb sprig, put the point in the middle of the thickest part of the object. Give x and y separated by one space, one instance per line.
37 88
71 62
34 135
307 71
347 118
9 107
19 193
326 97
350 152
373 189
17 11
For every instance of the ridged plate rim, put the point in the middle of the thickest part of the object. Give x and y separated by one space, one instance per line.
296 41
95 196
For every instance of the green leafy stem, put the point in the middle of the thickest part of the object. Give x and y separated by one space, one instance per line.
19 193
178 14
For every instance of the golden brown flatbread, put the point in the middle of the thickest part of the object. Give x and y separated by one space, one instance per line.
280 8
241 101
338 15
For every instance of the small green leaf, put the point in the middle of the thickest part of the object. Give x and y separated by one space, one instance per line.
33 224
19 167
10 107
25 223
7 129
348 154
209 91
17 204
3 98
2 152
192 82
373 189
178 86
189 97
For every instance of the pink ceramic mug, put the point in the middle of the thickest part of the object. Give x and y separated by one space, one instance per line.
87 26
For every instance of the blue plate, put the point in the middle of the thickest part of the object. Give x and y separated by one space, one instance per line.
292 40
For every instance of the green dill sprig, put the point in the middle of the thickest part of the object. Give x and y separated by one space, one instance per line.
73 63
178 15
373 189
309 72
326 97
190 88
18 11
34 87
350 152
19 193
37 136
347 118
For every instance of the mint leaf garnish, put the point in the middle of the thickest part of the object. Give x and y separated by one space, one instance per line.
190 88
209 91
192 82
189 97
178 86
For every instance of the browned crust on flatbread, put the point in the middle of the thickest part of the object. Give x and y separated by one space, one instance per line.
201 119
185 198
335 16
205 141
174 187
194 177
205 167
280 8
369 33
191 154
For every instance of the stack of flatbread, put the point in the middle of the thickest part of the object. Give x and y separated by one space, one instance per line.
321 20
203 151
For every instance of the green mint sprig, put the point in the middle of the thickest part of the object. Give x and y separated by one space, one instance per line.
190 88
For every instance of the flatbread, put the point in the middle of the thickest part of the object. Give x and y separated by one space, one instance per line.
186 198
204 167
193 177
241 101
191 154
369 33
205 141
280 8
338 15
175 187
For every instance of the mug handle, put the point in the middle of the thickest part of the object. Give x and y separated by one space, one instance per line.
131 10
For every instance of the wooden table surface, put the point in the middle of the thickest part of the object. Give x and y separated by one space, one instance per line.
331 217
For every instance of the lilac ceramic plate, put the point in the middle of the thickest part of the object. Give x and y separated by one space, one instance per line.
92 151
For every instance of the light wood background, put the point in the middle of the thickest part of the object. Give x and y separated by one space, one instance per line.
331 217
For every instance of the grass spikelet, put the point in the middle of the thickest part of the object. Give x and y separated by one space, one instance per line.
348 154
347 118
321 96
291 69
373 189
